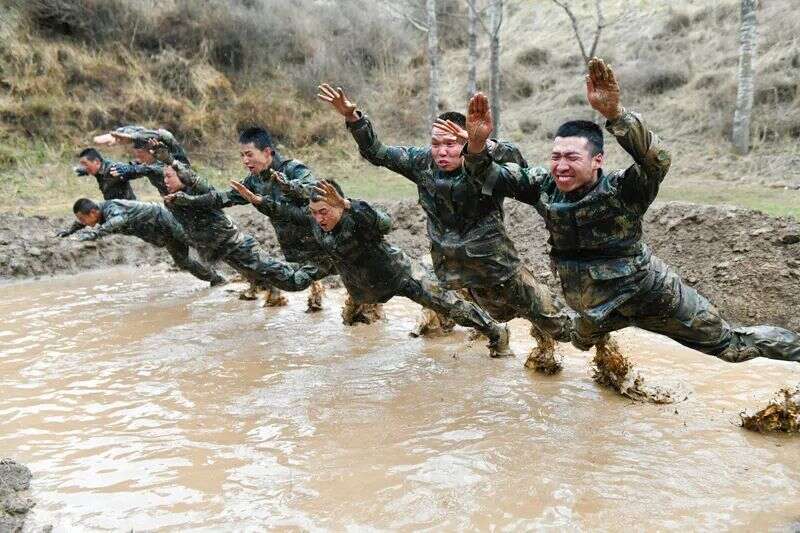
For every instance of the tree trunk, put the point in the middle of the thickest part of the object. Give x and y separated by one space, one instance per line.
494 61
746 77
433 62
472 58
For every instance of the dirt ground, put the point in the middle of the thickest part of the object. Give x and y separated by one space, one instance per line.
15 481
746 262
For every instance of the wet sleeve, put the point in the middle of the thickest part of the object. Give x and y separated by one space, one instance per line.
116 219
75 226
137 171
506 152
285 210
300 179
371 224
508 180
408 161
640 182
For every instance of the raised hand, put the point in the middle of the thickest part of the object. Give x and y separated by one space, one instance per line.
339 101
178 198
246 193
159 150
602 89
330 195
448 127
106 139
479 122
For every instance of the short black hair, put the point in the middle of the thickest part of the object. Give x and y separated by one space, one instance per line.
456 117
84 206
586 129
260 138
92 154
316 197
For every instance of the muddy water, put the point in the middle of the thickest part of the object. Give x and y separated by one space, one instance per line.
147 401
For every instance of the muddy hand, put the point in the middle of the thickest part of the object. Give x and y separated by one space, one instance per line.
448 127
178 198
246 193
602 89
338 101
331 196
479 122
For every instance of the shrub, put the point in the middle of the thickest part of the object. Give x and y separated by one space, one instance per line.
533 57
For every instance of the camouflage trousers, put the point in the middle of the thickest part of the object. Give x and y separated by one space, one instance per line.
521 296
428 293
247 258
668 306
179 251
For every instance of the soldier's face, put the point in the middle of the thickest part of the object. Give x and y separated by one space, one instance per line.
89 219
572 164
92 166
143 155
326 216
446 150
255 160
171 179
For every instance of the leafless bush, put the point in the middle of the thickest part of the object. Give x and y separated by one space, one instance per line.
650 78
533 57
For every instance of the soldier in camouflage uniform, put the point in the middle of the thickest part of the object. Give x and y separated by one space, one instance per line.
150 222
111 184
214 234
607 272
469 244
351 234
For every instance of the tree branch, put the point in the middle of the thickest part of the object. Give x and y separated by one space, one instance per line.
575 28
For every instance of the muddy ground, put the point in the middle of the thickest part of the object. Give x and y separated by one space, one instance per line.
746 262
15 480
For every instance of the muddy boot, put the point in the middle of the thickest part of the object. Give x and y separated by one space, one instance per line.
315 297
273 297
474 335
356 313
782 414
431 323
543 356
250 293
217 280
498 346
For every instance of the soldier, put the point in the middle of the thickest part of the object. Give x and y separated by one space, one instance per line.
608 274
150 222
112 185
214 234
469 244
351 234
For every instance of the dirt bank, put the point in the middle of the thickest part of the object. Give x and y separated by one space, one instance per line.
746 262
15 480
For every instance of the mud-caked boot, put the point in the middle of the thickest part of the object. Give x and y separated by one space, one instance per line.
498 344
315 295
274 298
358 313
543 357
432 323
251 292
217 280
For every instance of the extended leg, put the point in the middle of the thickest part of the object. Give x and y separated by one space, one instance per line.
180 254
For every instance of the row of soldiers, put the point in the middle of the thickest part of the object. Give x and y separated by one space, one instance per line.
609 276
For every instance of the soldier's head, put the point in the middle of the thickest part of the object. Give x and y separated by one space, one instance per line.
141 153
577 155
91 160
172 181
87 212
256 149
446 148
326 215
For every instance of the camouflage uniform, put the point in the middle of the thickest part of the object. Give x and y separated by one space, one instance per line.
469 244
607 272
373 271
112 188
153 224
216 237
154 172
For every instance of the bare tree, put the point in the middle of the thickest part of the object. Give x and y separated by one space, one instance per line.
406 11
601 23
472 57
496 15
746 77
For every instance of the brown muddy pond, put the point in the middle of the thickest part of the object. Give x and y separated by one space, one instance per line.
143 400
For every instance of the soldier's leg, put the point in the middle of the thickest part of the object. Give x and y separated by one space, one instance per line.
317 291
429 294
360 313
678 311
256 266
180 254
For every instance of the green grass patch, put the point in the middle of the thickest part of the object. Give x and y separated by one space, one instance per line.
776 202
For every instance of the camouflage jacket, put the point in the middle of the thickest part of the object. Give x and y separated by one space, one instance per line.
148 221
154 172
371 268
296 240
113 187
469 243
596 234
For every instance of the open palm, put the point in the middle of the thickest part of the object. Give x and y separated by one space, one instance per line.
602 89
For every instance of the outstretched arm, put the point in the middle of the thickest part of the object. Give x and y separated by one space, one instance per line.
405 160
640 182
280 209
371 223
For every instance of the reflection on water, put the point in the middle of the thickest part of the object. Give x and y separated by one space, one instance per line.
144 400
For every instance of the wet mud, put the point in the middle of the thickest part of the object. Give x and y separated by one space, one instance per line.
781 415
612 369
15 503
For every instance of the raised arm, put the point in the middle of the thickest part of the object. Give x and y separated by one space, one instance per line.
115 219
405 160
640 182
278 209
